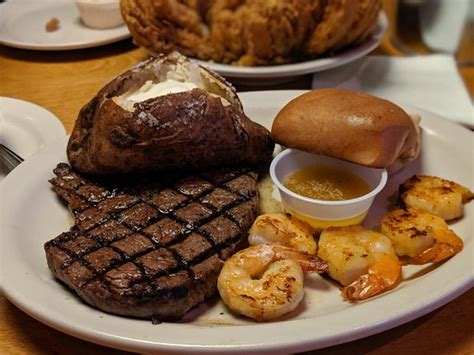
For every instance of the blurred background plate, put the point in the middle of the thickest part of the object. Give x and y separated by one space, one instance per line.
22 25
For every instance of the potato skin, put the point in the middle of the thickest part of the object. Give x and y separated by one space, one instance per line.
191 130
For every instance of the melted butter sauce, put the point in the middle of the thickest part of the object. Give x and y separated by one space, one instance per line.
327 183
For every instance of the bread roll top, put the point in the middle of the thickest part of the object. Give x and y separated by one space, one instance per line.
352 126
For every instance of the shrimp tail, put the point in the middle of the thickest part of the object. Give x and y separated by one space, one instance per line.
366 286
313 264
438 252
467 196
309 263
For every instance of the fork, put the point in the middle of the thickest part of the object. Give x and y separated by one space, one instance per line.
9 158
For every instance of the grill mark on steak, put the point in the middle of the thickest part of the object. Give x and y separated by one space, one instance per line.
194 223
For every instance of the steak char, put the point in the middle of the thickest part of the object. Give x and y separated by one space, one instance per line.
150 249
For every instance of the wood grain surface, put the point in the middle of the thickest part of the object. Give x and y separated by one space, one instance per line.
63 82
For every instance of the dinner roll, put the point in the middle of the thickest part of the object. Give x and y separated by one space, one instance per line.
348 125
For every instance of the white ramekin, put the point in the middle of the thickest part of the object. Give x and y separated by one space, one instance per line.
100 14
320 213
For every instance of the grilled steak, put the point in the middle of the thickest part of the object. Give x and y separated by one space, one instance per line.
150 249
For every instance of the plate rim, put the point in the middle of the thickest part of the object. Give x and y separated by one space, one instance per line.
444 296
124 34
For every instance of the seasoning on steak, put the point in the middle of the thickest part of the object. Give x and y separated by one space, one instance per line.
150 249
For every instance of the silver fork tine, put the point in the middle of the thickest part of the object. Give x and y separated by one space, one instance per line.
9 157
12 153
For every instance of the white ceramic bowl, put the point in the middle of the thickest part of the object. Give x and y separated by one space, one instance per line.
320 213
100 14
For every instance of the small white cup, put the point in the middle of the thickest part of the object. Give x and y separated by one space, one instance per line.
321 214
100 14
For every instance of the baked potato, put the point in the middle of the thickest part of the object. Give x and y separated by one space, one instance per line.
167 113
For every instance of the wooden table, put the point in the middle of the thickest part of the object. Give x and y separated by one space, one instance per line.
63 82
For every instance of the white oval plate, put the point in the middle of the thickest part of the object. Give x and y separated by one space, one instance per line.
275 72
22 25
26 127
35 215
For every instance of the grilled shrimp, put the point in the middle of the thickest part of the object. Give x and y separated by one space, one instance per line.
265 281
420 237
363 261
437 196
283 229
